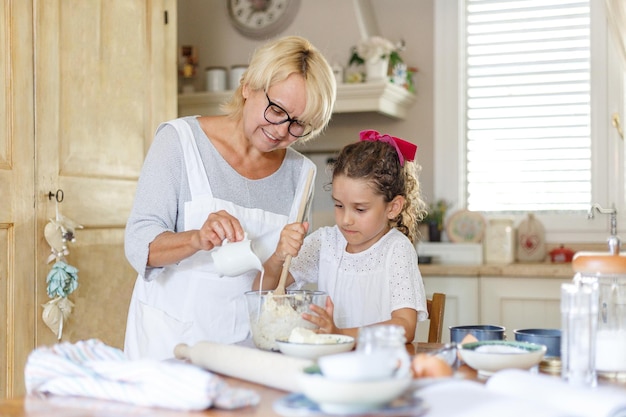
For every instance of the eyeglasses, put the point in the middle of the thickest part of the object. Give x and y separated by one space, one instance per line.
276 115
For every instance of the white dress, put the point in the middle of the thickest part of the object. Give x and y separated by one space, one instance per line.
367 286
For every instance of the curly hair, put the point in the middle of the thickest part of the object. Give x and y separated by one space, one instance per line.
378 163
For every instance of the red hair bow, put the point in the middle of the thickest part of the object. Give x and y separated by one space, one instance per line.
406 150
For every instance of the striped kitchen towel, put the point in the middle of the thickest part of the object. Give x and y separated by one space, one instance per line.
92 369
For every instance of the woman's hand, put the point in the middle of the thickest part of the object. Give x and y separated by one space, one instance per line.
169 247
217 227
324 318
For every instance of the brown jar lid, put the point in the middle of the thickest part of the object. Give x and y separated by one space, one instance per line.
599 263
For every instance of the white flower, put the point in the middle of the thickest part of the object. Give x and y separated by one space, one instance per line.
375 48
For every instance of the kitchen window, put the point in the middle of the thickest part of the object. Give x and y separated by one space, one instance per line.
523 121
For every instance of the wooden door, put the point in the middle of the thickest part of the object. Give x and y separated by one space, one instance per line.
105 77
17 215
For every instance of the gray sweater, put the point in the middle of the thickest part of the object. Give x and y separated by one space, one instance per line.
163 189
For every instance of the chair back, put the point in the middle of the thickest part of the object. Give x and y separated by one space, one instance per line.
436 308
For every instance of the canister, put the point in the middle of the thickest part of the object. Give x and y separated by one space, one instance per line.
609 271
499 242
236 72
215 78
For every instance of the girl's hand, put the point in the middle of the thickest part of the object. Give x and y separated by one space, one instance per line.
324 318
290 242
217 227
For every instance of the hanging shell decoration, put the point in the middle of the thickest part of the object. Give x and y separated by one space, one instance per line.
62 279
58 233
55 313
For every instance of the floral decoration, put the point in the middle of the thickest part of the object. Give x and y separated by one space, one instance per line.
62 280
374 49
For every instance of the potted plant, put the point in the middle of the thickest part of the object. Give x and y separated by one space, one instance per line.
375 53
435 219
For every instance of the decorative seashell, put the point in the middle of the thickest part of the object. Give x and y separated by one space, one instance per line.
54 237
55 312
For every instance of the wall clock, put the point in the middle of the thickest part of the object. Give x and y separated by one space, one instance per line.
259 19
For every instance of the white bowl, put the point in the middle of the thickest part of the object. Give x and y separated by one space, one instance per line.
347 397
490 356
328 344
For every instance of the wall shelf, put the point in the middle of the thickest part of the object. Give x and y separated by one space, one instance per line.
384 98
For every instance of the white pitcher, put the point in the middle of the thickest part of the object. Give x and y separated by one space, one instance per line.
236 258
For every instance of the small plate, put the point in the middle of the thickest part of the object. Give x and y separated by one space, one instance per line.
349 397
466 226
331 344
490 356
297 404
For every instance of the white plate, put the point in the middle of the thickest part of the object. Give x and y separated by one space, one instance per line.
348 397
335 343
490 356
297 404
466 226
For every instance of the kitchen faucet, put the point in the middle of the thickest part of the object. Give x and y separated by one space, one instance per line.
613 240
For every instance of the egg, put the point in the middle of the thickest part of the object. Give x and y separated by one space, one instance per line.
469 338
429 366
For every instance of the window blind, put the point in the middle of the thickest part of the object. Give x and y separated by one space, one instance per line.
528 144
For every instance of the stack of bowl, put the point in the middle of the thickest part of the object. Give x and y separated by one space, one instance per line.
551 339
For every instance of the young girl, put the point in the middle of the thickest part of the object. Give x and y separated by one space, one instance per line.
367 262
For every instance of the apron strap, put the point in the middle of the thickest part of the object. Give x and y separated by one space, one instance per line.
196 174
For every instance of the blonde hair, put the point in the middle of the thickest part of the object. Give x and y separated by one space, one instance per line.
274 62
379 164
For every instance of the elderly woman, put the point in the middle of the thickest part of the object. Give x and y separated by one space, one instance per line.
210 178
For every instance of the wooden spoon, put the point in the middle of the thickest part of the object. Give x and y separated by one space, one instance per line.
280 289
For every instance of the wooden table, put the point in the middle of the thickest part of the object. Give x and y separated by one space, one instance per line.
69 407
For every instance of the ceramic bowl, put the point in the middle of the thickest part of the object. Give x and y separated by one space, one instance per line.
348 397
491 356
479 331
551 338
359 366
328 344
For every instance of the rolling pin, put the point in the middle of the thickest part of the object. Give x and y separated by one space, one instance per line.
263 367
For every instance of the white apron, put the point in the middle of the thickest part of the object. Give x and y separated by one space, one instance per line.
189 302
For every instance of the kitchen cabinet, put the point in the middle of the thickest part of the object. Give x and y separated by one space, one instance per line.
521 302
383 97
462 295
498 295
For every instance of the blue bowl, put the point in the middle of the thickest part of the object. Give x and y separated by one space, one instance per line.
479 331
551 338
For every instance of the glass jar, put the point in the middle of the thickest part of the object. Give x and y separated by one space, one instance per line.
500 241
609 271
215 78
388 338
234 78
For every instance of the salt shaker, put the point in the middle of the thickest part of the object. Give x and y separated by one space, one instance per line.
579 318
